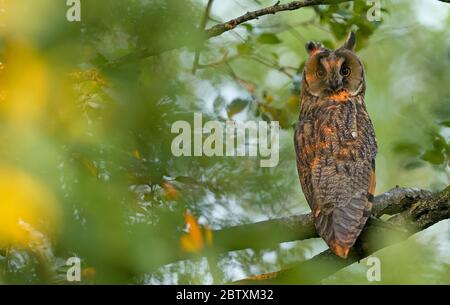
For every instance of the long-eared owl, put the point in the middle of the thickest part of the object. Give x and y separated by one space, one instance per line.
335 144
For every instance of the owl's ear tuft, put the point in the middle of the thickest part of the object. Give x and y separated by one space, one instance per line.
350 42
313 47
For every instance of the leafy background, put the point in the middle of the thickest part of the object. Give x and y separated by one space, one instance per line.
85 127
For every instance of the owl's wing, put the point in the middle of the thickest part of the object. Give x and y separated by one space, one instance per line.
303 160
341 197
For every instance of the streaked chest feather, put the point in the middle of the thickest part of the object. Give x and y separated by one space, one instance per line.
338 130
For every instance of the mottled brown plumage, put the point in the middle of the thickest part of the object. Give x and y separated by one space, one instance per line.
335 144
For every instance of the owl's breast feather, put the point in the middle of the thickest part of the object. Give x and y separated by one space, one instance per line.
340 96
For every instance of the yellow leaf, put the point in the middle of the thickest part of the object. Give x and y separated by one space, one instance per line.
28 211
208 236
89 274
170 192
188 245
265 276
137 154
293 102
24 85
87 164
193 240
88 75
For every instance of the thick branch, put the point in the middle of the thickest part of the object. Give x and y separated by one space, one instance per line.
270 233
265 234
414 210
416 215
300 227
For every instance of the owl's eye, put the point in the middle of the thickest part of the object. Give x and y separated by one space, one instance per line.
345 71
320 72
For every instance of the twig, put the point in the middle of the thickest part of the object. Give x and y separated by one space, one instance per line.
202 27
272 66
277 7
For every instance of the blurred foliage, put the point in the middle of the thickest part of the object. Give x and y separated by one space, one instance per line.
86 110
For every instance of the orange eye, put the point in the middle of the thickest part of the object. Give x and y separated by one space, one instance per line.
345 71
320 72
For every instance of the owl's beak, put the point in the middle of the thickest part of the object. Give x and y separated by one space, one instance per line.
335 85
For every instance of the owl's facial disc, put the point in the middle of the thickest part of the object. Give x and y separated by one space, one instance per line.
328 72
334 78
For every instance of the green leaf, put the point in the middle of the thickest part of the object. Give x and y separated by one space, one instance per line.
433 156
413 165
99 60
265 118
439 142
268 38
218 104
407 148
236 106
385 10
244 48
328 44
248 27
445 123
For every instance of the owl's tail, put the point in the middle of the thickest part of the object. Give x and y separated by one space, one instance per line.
341 227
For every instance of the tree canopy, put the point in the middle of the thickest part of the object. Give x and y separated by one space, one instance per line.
86 115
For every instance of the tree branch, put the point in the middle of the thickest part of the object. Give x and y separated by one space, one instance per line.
202 27
221 28
270 233
418 210
301 227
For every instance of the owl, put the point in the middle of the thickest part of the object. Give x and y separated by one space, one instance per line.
335 144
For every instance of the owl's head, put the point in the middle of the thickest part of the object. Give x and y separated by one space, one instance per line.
328 72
